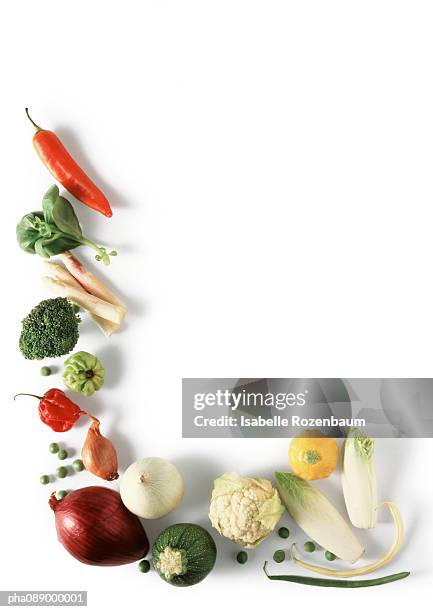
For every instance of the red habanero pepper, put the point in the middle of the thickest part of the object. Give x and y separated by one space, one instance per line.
65 169
56 410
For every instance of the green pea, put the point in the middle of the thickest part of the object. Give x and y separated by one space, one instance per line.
144 566
283 532
279 556
44 479
45 371
242 557
61 494
61 472
78 465
309 547
330 555
54 447
62 454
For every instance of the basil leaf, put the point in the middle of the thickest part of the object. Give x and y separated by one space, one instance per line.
59 245
65 218
28 231
48 202
35 235
39 247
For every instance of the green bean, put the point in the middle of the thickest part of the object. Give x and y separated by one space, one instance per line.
242 557
144 566
309 547
332 582
330 555
279 556
78 465
61 472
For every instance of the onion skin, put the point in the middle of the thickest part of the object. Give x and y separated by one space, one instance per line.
98 454
97 529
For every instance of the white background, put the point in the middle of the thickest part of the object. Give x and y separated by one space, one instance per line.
269 166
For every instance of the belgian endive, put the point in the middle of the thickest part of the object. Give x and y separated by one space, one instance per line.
358 478
316 515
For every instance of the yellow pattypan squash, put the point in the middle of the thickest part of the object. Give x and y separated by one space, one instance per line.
313 456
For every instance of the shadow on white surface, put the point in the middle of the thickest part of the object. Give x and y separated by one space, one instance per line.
113 361
125 453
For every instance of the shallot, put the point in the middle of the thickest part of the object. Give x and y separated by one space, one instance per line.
98 454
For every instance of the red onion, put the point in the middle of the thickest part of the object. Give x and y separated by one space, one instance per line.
96 528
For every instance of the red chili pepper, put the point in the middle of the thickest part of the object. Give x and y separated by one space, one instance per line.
56 410
65 169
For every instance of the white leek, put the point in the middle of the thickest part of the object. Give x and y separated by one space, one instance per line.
358 478
85 300
91 283
59 273
316 515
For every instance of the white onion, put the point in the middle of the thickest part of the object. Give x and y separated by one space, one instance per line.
151 487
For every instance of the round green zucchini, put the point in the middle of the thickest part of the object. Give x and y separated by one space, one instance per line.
184 554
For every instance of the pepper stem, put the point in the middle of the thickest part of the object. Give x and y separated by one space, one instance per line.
37 128
29 395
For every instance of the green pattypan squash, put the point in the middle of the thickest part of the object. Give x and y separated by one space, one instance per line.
184 554
83 373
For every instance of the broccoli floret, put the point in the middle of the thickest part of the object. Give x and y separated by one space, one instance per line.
50 330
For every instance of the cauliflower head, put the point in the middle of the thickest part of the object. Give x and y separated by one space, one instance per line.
244 510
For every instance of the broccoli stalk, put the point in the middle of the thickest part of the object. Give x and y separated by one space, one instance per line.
49 330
